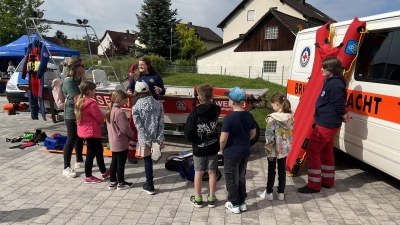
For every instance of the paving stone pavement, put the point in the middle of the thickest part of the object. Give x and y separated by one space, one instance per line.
33 191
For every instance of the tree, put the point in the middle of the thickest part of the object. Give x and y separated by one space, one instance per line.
91 38
116 48
76 44
12 18
155 23
189 42
60 35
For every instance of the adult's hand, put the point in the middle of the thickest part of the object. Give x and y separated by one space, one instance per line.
157 89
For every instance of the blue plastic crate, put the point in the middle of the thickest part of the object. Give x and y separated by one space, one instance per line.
51 143
61 141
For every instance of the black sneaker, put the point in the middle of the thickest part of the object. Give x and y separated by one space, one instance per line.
211 201
124 185
196 203
148 189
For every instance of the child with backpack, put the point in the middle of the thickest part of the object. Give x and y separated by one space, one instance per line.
278 137
119 135
238 128
89 117
201 130
149 121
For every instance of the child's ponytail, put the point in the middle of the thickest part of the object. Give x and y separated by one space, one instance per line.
286 108
78 108
108 112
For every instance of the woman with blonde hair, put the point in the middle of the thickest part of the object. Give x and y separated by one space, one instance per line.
119 135
89 117
75 73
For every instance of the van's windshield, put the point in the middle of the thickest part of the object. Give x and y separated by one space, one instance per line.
58 61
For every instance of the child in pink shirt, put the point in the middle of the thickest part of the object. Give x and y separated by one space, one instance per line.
119 135
89 117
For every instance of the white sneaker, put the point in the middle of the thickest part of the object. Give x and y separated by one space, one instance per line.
281 196
264 195
243 207
235 209
68 172
156 152
79 165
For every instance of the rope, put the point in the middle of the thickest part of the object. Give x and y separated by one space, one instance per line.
362 33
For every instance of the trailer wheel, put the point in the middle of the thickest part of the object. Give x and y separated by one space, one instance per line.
255 138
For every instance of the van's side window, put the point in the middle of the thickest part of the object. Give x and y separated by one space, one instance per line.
379 58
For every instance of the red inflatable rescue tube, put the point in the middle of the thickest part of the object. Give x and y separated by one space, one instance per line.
304 114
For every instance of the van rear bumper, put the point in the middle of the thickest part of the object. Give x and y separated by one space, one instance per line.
15 97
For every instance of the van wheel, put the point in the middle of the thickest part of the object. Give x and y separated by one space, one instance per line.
255 138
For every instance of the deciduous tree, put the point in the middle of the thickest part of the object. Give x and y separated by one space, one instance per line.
12 18
116 48
190 43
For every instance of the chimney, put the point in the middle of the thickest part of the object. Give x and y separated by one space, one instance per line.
189 23
127 31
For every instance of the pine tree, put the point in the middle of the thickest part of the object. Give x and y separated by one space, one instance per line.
155 23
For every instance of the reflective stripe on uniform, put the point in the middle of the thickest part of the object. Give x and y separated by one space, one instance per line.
328 175
314 179
314 171
328 167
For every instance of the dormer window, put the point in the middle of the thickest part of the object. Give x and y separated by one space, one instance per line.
271 33
251 15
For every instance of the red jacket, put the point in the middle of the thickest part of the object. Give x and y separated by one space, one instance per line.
92 117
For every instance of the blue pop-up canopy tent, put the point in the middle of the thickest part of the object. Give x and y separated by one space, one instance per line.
18 48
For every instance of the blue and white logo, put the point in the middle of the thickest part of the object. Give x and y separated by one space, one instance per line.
351 47
305 56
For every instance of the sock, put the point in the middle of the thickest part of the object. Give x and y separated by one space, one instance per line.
198 199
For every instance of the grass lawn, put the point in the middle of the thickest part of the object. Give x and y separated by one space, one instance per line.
226 81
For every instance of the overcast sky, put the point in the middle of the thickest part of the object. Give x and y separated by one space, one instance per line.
120 15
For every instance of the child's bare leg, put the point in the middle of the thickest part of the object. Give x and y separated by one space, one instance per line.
198 182
213 181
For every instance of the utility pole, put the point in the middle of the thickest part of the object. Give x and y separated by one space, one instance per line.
170 47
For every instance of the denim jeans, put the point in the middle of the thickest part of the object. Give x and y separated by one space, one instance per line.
117 168
148 169
281 175
72 140
235 172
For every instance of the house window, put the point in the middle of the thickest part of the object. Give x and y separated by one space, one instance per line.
108 39
378 58
271 33
251 15
269 66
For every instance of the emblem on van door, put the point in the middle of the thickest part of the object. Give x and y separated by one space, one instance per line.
351 47
305 56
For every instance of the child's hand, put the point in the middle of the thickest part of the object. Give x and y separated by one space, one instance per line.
162 145
347 118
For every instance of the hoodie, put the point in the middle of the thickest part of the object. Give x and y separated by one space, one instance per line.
119 131
92 117
331 103
278 134
201 129
149 120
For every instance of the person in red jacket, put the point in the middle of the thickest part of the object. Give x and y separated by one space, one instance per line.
89 117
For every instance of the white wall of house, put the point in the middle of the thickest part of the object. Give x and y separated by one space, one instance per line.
238 23
105 43
245 64
212 44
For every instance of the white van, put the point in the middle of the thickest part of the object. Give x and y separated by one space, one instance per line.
16 95
373 99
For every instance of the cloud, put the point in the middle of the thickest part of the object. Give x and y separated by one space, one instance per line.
120 15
